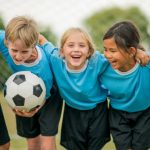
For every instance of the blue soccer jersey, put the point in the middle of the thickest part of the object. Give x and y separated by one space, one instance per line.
80 90
128 91
40 67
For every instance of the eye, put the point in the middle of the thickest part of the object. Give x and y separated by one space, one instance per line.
105 49
113 50
82 45
70 45
25 52
13 50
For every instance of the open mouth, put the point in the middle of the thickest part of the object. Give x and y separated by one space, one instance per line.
113 63
17 61
76 57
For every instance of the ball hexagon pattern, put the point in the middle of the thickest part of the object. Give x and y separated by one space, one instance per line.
24 91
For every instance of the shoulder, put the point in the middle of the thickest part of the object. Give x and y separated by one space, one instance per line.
98 62
97 56
2 34
2 38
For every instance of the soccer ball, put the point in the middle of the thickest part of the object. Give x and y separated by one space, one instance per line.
24 91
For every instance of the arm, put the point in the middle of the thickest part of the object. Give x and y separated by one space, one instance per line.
142 57
24 113
42 40
47 46
3 48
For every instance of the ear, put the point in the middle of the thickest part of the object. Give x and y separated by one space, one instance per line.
132 51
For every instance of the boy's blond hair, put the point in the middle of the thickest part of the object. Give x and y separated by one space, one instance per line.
85 35
22 28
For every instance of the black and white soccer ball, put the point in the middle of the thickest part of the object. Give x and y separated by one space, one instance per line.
24 91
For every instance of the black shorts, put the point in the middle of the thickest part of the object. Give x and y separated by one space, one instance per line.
44 122
4 136
85 129
130 130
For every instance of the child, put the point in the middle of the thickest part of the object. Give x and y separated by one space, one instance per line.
76 69
23 53
128 85
4 136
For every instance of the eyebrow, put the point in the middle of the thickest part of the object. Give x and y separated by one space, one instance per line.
12 48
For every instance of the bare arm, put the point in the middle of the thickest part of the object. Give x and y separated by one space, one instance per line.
142 57
42 39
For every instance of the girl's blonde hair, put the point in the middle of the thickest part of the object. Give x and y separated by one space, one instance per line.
22 28
85 35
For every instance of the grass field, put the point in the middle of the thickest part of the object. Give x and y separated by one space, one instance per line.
18 143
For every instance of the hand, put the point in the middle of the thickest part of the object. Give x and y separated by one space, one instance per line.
42 39
142 57
24 113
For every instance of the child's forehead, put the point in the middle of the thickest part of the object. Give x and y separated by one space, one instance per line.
76 36
18 43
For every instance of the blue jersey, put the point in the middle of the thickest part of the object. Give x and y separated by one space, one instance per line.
128 91
40 67
80 90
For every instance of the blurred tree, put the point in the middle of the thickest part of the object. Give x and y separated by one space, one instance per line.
1 23
47 32
98 23
4 69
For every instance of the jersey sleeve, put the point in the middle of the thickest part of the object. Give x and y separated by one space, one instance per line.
49 48
3 48
102 62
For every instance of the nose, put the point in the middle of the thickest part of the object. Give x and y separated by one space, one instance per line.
18 56
76 49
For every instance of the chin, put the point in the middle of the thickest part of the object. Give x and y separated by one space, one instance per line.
77 66
115 67
17 63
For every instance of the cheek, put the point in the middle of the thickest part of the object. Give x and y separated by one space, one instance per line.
29 53
107 54
87 52
26 56
65 52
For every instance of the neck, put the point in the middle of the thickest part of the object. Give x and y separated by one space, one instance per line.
128 66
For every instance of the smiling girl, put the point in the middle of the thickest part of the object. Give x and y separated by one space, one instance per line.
128 85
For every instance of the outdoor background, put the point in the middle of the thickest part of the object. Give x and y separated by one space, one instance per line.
54 17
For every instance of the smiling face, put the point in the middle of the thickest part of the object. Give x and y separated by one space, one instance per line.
75 51
21 37
119 59
19 53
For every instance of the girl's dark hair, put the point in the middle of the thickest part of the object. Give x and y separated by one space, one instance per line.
125 34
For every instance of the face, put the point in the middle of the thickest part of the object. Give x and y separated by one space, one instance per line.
18 52
75 51
118 58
